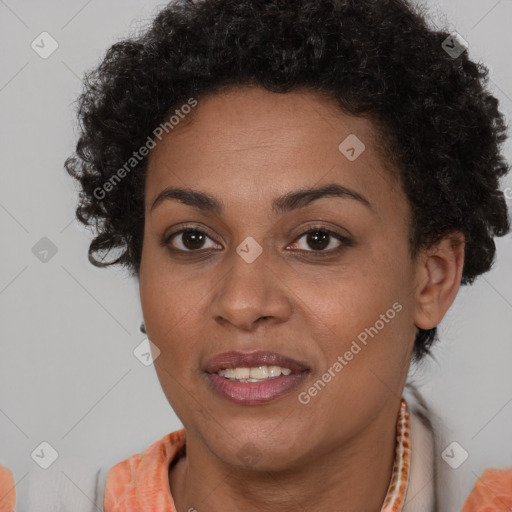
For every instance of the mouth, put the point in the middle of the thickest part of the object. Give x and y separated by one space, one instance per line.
254 378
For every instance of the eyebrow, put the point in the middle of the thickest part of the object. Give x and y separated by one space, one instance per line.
283 204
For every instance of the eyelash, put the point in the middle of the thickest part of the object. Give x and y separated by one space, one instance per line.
345 242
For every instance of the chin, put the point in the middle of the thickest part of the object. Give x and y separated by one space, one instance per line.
253 449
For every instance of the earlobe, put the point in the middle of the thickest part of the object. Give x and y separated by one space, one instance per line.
438 280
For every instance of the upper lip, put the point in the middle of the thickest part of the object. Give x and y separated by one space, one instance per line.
251 360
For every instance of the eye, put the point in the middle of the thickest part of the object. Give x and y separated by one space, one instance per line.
321 240
191 240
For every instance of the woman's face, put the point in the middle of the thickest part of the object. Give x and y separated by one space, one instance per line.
248 278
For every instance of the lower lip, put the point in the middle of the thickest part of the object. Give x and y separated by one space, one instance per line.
252 393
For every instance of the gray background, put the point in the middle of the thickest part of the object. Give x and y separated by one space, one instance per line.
67 372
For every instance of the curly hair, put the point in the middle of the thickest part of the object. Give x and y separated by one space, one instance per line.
376 58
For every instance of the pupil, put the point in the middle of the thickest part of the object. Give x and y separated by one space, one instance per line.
317 240
193 239
318 237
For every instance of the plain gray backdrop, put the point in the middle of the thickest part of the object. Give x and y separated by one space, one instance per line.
68 375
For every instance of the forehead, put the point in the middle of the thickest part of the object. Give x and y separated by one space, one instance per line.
248 142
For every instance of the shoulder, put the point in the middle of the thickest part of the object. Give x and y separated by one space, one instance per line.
119 485
492 492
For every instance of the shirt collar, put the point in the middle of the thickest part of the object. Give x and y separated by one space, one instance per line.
399 482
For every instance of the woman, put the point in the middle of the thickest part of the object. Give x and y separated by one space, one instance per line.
300 189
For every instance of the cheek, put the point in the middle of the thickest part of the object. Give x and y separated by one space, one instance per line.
370 305
174 310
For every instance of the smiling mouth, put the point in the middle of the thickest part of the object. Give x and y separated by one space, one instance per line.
254 378
254 374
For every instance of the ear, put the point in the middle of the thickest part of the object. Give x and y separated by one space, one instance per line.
438 275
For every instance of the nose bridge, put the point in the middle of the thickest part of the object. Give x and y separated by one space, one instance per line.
250 290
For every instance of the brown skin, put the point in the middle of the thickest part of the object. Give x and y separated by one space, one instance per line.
245 147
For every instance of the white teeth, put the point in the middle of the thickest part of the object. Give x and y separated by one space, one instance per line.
255 374
242 373
275 371
260 372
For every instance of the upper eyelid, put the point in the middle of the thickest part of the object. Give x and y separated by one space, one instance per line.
167 238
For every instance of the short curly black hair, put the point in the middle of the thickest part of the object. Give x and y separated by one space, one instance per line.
377 58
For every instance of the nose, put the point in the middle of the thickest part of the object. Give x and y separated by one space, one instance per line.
250 294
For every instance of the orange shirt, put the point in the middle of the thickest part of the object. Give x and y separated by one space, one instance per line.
492 492
7 490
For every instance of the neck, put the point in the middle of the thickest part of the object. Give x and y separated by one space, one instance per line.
353 476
